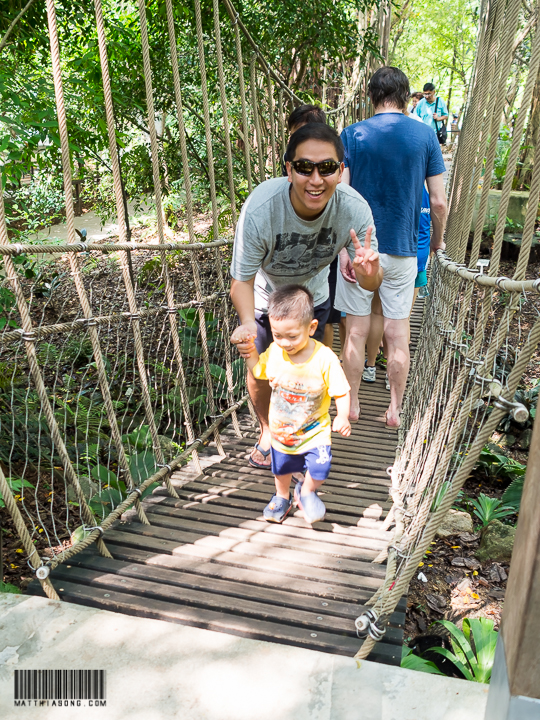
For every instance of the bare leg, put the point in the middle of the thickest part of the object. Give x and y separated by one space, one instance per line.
357 328
375 331
399 360
260 392
412 306
328 337
310 485
283 483
342 335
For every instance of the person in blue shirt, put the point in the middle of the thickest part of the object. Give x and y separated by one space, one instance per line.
432 109
388 157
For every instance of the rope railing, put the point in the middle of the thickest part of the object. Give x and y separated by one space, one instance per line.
474 344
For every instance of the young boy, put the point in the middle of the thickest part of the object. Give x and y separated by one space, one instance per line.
303 374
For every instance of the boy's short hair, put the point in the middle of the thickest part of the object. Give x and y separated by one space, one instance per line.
315 131
429 87
304 114
418 95
291 301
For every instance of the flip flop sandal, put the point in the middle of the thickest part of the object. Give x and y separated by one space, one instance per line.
264 453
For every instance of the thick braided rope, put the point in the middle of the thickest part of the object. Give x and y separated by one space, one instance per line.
471 135
43 331
125 264
35 372
430 527
159 476
256 118
169 292
243 104
224 110
24 535
513 155
270 96
510 26
189 212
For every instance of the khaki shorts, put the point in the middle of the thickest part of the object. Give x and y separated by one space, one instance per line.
396 291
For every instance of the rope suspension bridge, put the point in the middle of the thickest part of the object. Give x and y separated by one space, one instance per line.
125 408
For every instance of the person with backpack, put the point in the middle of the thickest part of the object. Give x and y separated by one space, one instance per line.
433 112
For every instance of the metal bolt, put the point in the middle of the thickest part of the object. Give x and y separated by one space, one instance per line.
324 604
123 580
106 595
313 634
61 589
319 618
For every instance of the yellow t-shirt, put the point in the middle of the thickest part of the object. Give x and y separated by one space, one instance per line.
300 401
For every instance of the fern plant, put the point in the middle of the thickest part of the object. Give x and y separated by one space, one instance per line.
474 648
487 509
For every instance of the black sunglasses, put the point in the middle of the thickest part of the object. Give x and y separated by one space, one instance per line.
306 167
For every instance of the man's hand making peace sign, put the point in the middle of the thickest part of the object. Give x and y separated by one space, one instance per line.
365 268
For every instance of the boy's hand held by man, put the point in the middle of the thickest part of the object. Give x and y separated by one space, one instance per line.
244 338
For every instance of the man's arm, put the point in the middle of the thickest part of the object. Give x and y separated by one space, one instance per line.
437 202
243 299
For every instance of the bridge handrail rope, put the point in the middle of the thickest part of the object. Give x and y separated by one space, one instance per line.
445 423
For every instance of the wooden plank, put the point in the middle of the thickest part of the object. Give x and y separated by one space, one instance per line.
234 501
304 552
253 576
187 594
222 622
224 515
261 531
282 563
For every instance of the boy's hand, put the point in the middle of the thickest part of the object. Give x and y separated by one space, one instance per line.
244 338
342 426
366 261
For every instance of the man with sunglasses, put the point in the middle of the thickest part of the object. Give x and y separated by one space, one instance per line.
289 231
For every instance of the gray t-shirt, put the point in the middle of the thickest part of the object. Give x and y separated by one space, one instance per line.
280 248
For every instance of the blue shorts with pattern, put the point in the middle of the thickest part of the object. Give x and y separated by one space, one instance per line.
317 461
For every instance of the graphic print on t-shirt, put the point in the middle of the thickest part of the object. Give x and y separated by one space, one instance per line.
295 409
297 253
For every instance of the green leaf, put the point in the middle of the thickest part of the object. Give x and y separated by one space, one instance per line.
485 642
460 643
104 476
409 661
453 659
142 466
512 494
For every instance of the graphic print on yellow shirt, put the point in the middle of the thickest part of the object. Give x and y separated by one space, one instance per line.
301 393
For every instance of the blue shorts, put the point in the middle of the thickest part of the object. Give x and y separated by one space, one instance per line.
317 460
421 279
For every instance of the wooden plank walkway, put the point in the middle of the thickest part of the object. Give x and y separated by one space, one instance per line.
209 560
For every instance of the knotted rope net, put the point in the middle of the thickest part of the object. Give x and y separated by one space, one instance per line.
116 363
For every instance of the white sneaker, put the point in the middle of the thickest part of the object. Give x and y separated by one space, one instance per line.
387 382
369 374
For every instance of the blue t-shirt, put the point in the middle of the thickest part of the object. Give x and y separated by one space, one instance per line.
425 111
389 156
424 232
